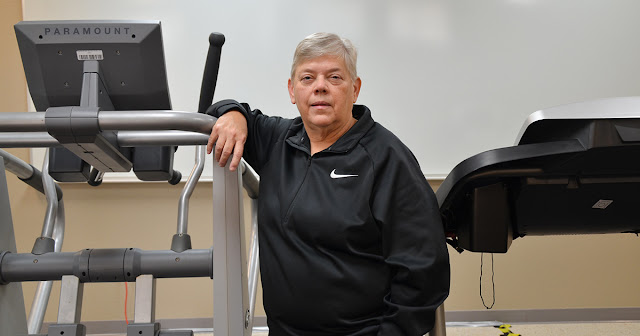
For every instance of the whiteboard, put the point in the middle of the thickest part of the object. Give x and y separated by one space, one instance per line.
450 78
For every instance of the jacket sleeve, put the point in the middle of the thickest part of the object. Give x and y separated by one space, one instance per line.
414 245
263 131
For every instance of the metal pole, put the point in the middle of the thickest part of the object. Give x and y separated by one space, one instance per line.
27 140
161 138
70 308
21 267
254 257
439 327
117 121
43 291
52 199
230 289
17 166
155 120
13 320
22 122
183 206
25 171
125 139
250 180
145 304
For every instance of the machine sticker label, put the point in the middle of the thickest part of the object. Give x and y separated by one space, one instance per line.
602 204
89 55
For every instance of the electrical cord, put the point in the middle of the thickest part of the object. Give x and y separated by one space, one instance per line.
493 284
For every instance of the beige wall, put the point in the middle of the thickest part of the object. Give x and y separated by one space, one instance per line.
537 273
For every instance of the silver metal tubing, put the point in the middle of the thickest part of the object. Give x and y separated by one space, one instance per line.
43 291
58 228
161 138
70 307
170 264
39 307
439 327
15 165
155 120
183 205
254 260
125 139
145 303
27 140
117 121
100 265
57 225
22 122
52 199
250 180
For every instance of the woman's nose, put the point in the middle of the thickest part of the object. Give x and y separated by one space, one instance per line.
320 85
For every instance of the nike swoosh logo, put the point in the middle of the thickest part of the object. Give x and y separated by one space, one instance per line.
336 176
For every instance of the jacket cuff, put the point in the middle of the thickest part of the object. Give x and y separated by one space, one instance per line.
224 106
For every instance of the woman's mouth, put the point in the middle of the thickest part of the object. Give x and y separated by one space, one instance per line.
320 104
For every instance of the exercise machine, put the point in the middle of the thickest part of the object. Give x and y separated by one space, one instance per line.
575 169
101 92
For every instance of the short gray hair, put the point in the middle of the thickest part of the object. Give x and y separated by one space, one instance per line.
322 44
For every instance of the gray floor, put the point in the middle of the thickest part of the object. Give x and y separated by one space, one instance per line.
542 329
555 329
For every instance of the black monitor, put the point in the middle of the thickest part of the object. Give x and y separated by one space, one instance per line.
131 69
130 54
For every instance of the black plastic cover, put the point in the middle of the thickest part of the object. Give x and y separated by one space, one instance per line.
566 177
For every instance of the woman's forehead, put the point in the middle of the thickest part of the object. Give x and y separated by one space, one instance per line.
325 63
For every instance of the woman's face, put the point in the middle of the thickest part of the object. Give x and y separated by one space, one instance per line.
324 92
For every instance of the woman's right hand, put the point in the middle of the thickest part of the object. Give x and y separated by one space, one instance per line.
229 135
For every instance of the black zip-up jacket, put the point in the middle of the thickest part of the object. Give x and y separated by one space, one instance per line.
351 241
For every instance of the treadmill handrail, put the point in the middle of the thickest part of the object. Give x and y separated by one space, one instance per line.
607 108
469 169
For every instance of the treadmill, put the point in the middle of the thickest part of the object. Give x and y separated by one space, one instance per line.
574 169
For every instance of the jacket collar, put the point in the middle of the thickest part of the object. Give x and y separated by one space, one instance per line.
298 136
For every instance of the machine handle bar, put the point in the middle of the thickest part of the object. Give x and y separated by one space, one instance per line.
117 121
211 68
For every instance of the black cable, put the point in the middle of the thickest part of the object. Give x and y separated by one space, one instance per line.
492 281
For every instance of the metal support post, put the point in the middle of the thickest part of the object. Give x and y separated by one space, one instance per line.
254 258
42 182
43 291
181 240
145 304
13 320
231 311
70 307
144 316
439 327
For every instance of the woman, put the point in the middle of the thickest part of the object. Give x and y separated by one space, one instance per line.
351 241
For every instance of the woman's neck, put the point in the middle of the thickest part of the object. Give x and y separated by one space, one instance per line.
322 138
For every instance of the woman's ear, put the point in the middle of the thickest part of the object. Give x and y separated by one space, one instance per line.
291 95
356 89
